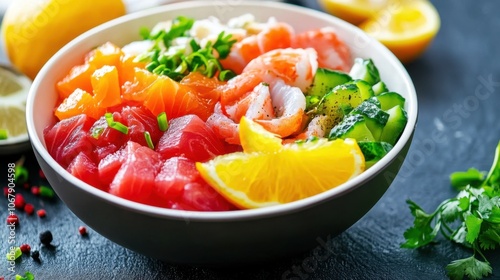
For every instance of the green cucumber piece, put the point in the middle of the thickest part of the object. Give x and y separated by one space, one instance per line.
379 88
390 99
338 102
325 80
366 70
373 151
395 125
376 118
352 126
365 89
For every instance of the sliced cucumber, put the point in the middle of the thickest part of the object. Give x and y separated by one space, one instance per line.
373 151
352 126
379 88
375 117
338 102
325 80
365 89
390 99
365 69
395 125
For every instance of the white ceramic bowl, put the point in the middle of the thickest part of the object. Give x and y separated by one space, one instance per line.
224 237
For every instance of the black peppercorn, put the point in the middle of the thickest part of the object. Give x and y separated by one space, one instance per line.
46 237
35 255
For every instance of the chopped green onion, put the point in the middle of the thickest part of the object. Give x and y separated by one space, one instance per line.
3 134
46 192
21 174
148 140
14 254
162 121
27 276
226 75
115 125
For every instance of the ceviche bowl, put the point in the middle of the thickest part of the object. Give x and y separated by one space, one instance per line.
226 237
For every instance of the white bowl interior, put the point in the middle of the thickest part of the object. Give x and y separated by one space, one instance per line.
42 97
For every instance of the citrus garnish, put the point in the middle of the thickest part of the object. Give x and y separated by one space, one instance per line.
405 27
254 137
13 92
297 171
34 30
12 120
353 11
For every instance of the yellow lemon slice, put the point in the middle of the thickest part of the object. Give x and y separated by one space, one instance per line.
353 11
406 27
297 171
14 89
255 138
34 30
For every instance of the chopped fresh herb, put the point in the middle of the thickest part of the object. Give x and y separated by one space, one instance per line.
4 134
178 61
226 75
46 192
471 219
22 174
148 140
14 254
162 121
27 276
114 124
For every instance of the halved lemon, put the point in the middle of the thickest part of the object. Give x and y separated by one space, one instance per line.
13 92
353 11
255 138
406 27
294 172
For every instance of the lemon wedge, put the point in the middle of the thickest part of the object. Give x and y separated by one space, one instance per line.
353 11
406 27
14 89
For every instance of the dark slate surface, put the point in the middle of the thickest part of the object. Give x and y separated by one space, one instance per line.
458 128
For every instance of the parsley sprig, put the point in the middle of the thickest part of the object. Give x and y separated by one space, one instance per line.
471 219
178 61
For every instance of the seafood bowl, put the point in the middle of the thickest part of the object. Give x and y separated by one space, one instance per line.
213 238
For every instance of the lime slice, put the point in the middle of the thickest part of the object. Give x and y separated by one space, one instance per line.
14 89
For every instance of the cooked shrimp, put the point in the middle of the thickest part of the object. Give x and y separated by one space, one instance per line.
333 53
296 67
224 127
289 104
256 105
275 35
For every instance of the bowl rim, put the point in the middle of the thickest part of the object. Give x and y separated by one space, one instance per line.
237 215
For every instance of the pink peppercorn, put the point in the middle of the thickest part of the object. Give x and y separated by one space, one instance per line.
35 190
41 174
82 230
29 208
19 201
25 248
41 213
5 191
13 219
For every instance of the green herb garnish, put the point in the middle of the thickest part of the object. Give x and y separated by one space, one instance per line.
471 219
46 192
114 124
14 254
178 61
162 121
147 136
21 174
27 276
